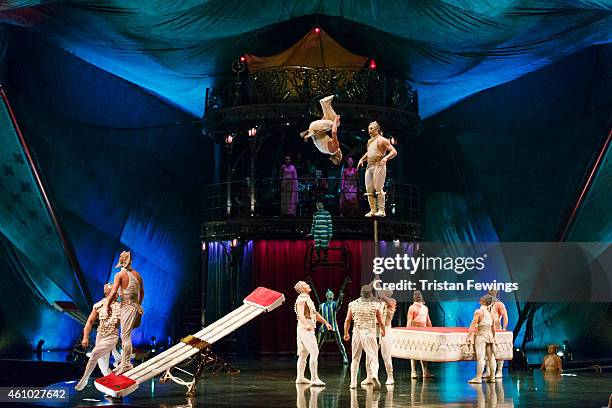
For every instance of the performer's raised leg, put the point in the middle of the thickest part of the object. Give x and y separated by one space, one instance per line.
328 111
103 347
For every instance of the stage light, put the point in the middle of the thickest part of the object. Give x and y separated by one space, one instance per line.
560 353
229 139
234 243
372 64
203 246
396 243
252 132
242 58
317 30
393 140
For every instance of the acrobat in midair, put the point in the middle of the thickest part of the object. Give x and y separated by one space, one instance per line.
317 131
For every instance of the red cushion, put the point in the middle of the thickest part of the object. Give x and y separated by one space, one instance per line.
116 382
264 296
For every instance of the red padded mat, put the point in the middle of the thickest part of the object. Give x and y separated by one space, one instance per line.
116 382
263 296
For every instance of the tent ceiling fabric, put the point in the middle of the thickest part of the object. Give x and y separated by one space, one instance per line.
448 49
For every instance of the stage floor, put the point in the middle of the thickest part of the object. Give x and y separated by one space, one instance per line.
269 383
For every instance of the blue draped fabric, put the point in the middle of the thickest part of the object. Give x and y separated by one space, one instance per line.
449 49
513 174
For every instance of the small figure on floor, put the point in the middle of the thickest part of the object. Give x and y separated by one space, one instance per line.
129 284
322 230
482 335
365 313
552 362
307 317
329 311
106 337
376 171
418 316
318 129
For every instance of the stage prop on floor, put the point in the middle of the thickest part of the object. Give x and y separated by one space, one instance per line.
260 301
443 344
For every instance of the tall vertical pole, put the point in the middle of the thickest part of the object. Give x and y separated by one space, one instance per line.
228 173
252 141
203 282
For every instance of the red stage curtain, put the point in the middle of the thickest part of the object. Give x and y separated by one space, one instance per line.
279 265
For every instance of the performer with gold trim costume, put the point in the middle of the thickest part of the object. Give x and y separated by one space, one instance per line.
365 313
106 336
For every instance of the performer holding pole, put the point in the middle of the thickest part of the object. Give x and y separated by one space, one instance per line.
365 313
307 317
418 316
376 170
483 329
329 310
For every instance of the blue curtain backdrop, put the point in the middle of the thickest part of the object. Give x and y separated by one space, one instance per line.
507 164
125 171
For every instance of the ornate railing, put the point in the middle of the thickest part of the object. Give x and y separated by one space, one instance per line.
295 84
233 200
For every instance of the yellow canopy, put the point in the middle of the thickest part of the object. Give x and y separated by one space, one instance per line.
316 50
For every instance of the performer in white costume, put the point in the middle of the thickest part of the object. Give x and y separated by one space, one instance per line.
418 316
500 321
307 317
483 329
376 171
318 131
365 313
389 307
131 289
106 337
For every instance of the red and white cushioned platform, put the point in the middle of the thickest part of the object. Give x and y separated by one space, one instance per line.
442 344
261 300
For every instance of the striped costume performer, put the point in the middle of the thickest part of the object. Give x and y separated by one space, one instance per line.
322 228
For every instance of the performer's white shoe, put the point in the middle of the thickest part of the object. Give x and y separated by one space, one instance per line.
302 380
499 375
380 213
413 374
327 98
370 214
81 384
390 381
427 375
367 381
475 380
491 379
316 382
376 383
